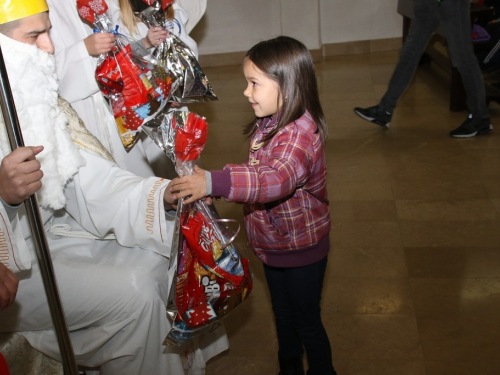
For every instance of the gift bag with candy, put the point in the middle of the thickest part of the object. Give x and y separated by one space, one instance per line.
175 55
137 85
212 276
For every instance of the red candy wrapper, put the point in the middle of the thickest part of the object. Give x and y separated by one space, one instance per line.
191 138
212 276
137 86
164 3
181 135
89 9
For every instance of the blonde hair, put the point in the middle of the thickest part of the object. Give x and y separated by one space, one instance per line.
129 18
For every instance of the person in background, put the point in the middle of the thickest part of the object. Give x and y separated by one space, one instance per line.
195 10
123 15
283 188
454 17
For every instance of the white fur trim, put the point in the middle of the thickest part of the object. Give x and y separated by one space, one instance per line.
34 85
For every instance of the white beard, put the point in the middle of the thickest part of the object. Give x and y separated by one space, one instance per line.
33 80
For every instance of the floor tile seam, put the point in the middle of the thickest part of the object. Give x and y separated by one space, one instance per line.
496 209
382 315
361 200
400 220
475 203
400 278
437 316
433 278
410 294
448 220
334 243
376 356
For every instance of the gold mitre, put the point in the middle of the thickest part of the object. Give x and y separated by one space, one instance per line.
11 10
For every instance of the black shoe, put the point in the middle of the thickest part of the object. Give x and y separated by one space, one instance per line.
291 365
471 127
333 373
374 114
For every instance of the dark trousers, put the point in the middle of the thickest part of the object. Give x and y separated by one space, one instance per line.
295 296
454 17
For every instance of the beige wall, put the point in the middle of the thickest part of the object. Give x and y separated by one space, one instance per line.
347 21
236 25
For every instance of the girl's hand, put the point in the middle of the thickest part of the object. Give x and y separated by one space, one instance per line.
194 186
170 201
155 36
99 43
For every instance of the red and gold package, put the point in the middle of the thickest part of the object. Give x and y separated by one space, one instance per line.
212 278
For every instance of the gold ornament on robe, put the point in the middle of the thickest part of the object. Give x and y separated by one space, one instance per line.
12 10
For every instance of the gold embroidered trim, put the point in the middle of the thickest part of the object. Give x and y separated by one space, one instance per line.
150 210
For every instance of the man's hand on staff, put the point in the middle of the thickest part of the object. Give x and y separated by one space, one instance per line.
20 175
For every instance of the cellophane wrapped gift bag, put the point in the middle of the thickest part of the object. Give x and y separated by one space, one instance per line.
175 55
212 274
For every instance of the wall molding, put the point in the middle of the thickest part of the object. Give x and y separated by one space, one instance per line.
362 46
326 51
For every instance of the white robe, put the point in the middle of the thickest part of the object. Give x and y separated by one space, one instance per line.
195 10
13 251
113 291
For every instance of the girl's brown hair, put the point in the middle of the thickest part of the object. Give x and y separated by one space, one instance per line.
127 9
288 62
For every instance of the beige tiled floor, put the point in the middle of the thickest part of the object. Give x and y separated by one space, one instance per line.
413 281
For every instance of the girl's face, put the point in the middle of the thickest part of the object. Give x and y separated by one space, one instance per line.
261 91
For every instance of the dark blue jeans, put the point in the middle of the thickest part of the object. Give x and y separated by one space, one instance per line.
295 296
454 17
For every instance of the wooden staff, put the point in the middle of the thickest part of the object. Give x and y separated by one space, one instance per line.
40 241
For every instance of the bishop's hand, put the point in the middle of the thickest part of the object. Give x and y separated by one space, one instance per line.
20 175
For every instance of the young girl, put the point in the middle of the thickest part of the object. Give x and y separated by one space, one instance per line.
283 186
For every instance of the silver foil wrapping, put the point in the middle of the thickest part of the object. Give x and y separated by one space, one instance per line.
162 132
178 58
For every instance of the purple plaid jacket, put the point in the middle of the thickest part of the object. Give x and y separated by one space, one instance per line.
283 186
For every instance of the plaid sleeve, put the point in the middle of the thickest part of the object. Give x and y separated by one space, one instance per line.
288 163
